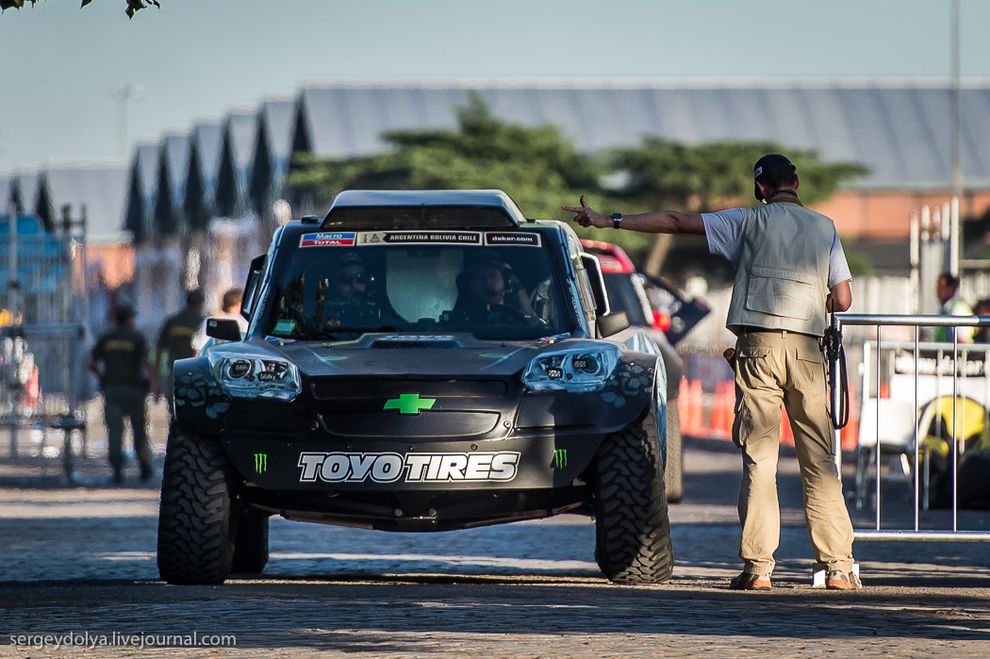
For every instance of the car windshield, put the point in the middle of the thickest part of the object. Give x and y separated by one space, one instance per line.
495 285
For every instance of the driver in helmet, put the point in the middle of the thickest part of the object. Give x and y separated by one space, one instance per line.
489 294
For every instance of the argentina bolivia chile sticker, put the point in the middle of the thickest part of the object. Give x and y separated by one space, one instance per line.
420 238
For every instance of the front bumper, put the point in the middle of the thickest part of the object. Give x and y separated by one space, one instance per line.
428 510
539 460
426 486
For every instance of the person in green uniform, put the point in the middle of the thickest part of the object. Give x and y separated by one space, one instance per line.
176 340
947 292
120 361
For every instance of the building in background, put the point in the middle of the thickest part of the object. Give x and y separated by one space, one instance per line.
233 233
90 192
272 156
142 193
215 185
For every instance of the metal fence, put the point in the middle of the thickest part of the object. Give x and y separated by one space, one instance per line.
898 407
43 305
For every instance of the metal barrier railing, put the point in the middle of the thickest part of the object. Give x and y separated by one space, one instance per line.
880 321
42 383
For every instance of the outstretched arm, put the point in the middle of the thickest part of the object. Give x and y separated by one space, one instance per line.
653 222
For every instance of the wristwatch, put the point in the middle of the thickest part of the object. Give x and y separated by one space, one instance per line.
616 220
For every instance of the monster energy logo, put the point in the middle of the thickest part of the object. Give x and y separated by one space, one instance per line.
260 463
560 458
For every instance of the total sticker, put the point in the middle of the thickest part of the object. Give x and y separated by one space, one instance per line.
328 239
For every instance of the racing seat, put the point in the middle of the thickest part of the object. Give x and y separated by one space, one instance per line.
970 432
936 434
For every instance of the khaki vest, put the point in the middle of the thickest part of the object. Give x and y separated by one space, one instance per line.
782 275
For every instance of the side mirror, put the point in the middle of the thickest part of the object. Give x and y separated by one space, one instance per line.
253 286
613 323
597 281
223 329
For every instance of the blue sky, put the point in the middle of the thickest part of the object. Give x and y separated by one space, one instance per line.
200 58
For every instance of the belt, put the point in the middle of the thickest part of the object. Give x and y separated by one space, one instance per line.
746 329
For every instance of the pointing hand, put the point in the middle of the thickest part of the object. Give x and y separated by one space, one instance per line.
587 216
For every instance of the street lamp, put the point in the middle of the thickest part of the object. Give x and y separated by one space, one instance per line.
123 95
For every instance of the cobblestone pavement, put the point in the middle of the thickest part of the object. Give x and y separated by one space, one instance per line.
81 560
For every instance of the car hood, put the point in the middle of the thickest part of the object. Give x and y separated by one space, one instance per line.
396 355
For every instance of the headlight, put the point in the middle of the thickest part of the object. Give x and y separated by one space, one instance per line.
576 369
249 376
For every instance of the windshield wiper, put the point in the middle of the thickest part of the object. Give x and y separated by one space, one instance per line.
330 332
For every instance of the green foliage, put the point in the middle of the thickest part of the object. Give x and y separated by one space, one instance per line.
542 169
860 265
133 6
538 166
666 174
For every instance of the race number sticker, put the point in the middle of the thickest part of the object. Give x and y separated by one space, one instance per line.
515 238
328 239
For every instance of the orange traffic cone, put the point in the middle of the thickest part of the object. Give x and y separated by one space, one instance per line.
697 410
684 407
728 407
786 432
850 434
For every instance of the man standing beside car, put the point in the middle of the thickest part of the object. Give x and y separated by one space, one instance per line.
790 271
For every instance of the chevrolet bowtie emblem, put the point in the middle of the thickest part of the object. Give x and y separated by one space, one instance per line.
409 404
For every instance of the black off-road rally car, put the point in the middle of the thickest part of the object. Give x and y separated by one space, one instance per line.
418 361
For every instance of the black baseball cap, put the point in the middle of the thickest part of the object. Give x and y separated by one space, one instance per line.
123 313
195 296
770 162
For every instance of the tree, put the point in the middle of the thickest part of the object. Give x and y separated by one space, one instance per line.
541 168
538 166
133 6
659 173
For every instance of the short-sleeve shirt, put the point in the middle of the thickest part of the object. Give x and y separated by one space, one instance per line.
122 351
177 334
724 231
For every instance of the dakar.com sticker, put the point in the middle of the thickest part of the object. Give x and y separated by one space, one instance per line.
328 239
512 238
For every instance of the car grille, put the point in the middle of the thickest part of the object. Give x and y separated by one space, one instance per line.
351 390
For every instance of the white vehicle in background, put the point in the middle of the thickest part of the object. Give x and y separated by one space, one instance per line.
945 412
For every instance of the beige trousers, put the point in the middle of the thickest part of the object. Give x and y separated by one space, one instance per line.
785 368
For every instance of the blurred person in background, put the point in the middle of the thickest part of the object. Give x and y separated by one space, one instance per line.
175 341
230 309
120 361
790 271
982 308
947 292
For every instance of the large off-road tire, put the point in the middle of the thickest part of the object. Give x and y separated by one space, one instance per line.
632 530
673 473
251 543
195 528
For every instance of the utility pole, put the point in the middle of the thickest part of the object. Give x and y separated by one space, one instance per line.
123 96
957 185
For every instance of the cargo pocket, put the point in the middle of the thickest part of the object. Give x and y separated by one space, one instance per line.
750 365
811 378
780 292
752 352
